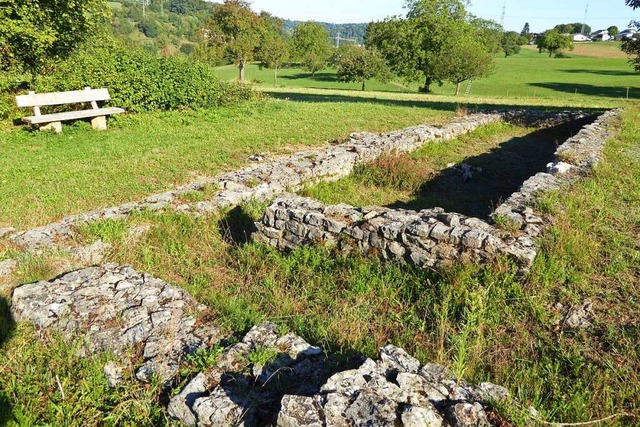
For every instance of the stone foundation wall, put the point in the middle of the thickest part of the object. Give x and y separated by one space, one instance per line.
433 237
429 238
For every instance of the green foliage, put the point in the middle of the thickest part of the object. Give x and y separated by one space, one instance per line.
348 31
36 33
273 51
311 44
359 64
554 42
632 48
511 43
613 31
573 28
234 27
526 31
428 44
633 3
140 81
262 356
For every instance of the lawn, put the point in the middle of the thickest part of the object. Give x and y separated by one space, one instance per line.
485 322
596 73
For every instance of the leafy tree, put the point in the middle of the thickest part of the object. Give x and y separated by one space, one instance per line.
465 59
311 44
420 46
526 31
554 42
511 43
488 32
573 28
613 31
274 49
234 27
633 3
359 64
35 33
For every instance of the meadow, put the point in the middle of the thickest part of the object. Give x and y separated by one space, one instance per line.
485 322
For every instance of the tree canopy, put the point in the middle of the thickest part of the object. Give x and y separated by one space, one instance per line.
511 43
37 32
573 28
273 51
633 3
554 42
312 46
359 64
234 27
425 43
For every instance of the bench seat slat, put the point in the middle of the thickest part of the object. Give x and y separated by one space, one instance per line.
60 98
71 115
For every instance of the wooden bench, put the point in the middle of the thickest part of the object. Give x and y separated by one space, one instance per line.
54 121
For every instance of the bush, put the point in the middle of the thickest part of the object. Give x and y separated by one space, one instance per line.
140 81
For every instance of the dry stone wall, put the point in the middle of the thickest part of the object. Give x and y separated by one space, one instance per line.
266 180
429 238
115 309
266 378
433 237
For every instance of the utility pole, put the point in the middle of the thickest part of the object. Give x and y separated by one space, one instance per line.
584 23
504 13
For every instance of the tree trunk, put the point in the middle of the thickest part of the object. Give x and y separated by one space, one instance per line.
364 85
241 67
427 85
458 88
550 53
275 77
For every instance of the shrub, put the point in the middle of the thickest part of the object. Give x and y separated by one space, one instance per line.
395 170
140 81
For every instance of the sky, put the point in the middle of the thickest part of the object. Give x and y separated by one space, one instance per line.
541 14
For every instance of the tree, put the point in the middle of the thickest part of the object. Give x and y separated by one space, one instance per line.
419 46
633 3
573 28
465 59
35 33
511 43
526 31
234 27
554 42
312 46
358 64
274 49
613 31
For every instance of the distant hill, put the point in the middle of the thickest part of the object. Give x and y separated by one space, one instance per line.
348 31
171 26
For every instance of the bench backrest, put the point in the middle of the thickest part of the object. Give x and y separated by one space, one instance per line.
58 98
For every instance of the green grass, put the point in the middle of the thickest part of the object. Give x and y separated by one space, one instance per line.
46 176
530 76
486 323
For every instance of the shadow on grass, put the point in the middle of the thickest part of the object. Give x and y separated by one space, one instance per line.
430 104
320 77
590 90
602 72
7 326
237 227
504 169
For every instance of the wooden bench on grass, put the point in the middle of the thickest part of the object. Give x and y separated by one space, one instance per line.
54 121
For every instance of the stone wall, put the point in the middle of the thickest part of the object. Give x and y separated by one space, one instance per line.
432 237
429 238
264 378
265 180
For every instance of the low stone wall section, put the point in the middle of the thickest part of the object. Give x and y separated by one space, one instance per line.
115 309
574 159
266 180
265 378
429 238
433 237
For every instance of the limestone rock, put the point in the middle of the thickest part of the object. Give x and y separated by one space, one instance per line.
116 309
7 266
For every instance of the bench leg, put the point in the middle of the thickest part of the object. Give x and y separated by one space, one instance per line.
99 123
53 126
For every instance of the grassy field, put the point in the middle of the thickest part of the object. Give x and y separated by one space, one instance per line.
486 323
594 73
